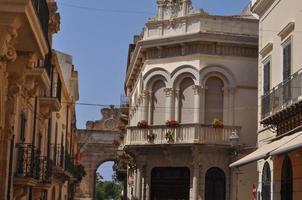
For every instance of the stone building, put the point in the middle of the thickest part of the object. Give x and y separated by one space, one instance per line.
191 82
38 90
279 100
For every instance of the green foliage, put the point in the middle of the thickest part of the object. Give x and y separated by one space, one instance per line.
107 190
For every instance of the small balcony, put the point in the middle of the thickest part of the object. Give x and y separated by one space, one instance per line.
284 98
34 16
182 134
32 169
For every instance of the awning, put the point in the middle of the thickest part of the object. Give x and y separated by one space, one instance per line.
285 144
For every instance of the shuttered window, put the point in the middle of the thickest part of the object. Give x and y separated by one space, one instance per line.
287 61
266 77
22 127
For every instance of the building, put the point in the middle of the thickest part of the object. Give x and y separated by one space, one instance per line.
191 82
32 87
279 100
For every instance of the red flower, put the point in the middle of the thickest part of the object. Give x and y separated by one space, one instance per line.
172 123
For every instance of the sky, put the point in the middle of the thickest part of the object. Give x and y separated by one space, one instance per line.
97 34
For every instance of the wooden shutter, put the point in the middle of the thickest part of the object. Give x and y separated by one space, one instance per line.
286 61
266 78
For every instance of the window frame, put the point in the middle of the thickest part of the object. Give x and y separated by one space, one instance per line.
265 61
287 41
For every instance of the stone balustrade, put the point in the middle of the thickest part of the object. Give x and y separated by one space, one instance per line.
182 134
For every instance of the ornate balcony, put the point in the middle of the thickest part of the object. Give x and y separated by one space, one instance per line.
32 169
283 102
182 134
34 16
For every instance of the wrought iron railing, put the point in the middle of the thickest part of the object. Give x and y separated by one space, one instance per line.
27 161
45 171
283 95
57 155
42 12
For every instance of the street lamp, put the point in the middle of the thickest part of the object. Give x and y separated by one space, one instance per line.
234 138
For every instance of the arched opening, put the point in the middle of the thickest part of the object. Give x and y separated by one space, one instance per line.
287 180
186 101
107 183
170 183
213 99
53 193
266 182
215 184
158 103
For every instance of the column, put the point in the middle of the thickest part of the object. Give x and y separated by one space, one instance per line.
196 89
169 92
150 111
160 12
138 183
195 181
145 105
176 105
134 184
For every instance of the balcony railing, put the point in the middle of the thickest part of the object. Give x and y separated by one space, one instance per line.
182 134
283 95
28 161
42 12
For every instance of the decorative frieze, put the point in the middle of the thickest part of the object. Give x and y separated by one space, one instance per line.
202 48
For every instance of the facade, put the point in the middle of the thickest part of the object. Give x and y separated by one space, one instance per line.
37 91
279 100
191 83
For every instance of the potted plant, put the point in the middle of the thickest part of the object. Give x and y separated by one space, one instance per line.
172 123
169 136
217 123
151 137
142 124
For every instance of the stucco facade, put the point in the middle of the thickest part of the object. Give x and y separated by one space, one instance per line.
31 100
190 67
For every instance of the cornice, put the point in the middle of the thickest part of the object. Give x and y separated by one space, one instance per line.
261 6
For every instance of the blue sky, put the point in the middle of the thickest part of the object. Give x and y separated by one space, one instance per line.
97 33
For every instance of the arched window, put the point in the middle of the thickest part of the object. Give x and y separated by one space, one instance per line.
287 180
158 103
213 100
186 101
266 182
215 184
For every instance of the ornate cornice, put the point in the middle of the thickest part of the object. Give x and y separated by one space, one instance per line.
54 18
8 36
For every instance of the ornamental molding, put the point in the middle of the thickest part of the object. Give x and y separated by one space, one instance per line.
54 18
169 92
8 37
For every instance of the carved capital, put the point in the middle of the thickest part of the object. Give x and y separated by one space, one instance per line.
196 89
146 93
169 92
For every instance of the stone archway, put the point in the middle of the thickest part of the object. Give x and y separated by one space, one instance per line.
98 143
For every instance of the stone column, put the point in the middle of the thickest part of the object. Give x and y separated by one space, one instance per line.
139 183
196 89
176 105
185 7
160 11
150 111
169 103
145 106
8 54
195 174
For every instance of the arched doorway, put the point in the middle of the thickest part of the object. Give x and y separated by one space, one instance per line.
266 182
215 184
107 185
171 183
287 180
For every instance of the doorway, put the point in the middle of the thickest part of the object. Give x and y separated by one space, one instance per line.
170 183
215 184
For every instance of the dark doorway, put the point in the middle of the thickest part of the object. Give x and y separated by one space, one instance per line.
266 182
215 184
170 183
287 180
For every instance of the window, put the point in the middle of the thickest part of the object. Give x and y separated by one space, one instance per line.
22 127
266 77
287 62
266 182
287 180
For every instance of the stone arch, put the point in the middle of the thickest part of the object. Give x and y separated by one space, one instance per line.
183 72
219 71
215 184
153 76
229 85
